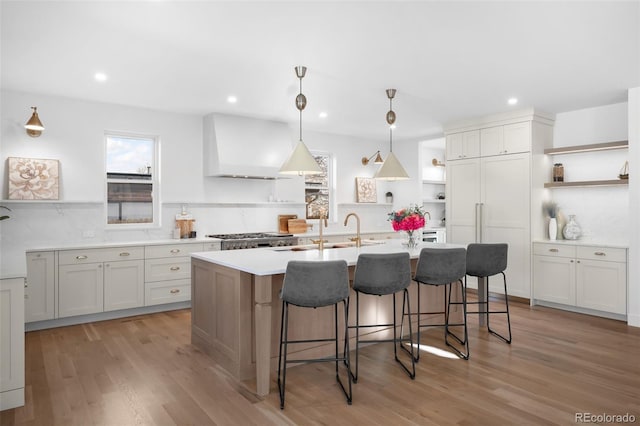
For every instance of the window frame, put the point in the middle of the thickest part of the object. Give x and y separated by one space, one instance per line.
155 182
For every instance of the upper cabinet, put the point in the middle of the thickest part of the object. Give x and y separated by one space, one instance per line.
507 139
463 145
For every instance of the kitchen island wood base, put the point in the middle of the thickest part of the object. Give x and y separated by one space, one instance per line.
236 319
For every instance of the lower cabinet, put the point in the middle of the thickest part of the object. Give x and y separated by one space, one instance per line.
589 277
97 280
39 292
11 343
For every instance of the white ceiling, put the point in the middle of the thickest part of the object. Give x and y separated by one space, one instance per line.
448 60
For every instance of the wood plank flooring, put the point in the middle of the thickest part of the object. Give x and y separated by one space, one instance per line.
143 371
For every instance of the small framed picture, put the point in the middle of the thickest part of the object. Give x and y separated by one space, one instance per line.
366 190
33 179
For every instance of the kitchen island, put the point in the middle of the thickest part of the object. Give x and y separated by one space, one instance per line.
235 315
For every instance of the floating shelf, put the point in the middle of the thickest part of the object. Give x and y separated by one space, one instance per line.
615 182
606 146
435 182
433 200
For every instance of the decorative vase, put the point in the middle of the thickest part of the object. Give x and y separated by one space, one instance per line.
553 228
572 230
412 239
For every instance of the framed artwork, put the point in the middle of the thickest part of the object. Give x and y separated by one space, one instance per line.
366 190
33 179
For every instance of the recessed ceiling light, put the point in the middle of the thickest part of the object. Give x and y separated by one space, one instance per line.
232 99
100 76
512 101
322 115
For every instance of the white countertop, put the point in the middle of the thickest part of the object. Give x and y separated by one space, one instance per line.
106 244
587 243
271 261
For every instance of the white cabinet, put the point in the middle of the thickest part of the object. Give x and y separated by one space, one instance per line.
11 343
97 280
505 139
168 272
589 277
489 201
463 145
39 297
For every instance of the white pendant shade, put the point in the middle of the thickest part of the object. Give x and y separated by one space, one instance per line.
391 169
301 162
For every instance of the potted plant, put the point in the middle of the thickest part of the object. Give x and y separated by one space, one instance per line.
389 196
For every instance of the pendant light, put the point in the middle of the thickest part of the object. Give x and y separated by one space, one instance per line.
34 125
301 162
391 169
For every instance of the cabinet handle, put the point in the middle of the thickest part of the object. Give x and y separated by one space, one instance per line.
553 250
124 254
175 251
599 253
175 291
571 261
577 261
81 257
174 268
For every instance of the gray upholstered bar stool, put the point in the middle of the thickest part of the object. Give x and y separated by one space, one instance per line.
380 275
443 267
486 260
311 284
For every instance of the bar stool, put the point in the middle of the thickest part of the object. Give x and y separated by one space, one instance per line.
312 284
443 267
483 261
379 275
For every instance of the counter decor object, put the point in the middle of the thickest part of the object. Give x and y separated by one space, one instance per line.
572 230
389 197
409 220
551 210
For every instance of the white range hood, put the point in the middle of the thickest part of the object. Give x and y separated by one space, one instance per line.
243 147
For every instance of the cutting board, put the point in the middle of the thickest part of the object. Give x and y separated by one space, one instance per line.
297 226
283 222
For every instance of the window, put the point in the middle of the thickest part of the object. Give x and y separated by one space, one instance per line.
132 184
318 189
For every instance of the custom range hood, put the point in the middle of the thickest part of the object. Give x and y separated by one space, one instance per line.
243 147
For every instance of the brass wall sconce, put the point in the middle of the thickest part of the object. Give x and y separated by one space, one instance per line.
437 163
378 159
34 126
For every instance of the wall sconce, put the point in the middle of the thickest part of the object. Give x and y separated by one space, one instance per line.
378 159
437 163
34 125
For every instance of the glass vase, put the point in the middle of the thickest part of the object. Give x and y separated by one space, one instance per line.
572 230
412 239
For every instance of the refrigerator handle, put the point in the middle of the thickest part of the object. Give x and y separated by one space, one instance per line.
479 222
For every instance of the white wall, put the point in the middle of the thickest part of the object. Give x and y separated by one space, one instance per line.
633 309
602 212
74 131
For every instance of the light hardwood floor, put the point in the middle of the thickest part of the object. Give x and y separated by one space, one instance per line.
143 371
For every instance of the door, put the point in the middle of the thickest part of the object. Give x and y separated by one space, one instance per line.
601 285
463 198
554 279
505 216
39 302
123 285
11 339
80 289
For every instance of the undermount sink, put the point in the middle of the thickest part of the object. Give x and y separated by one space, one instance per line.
342 244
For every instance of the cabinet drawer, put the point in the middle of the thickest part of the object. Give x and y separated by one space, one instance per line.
213 246
167 269
603 253
167 292
556 250
171 250
75 257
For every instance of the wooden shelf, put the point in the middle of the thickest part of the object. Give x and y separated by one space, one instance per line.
433 200
435 182
588 148
615 182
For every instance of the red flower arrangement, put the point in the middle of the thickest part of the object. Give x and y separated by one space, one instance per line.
407 219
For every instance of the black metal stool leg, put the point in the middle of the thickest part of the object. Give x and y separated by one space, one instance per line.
489 312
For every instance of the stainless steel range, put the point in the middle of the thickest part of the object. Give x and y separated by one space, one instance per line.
254 240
